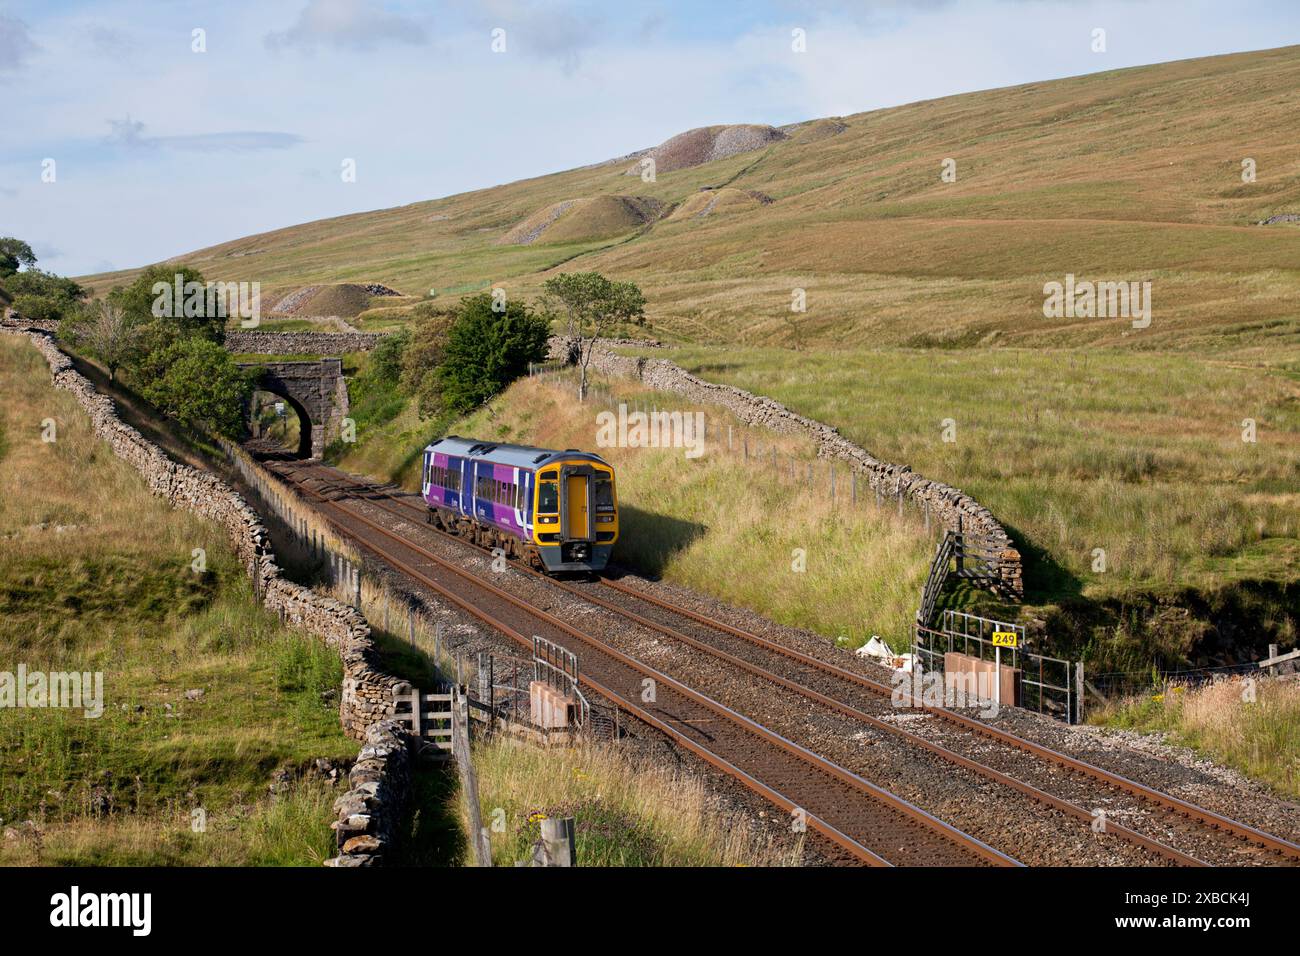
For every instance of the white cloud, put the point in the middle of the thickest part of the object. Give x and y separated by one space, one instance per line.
346 24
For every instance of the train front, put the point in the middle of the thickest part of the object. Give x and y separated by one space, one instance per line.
576 514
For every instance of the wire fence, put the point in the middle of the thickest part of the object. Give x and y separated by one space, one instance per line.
837 482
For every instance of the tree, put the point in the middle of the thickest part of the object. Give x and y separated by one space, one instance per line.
195 381
593 305
37 308
14 253
486 350
105 331
42 296
424 353
138 300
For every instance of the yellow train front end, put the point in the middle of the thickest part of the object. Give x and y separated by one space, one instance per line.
575 514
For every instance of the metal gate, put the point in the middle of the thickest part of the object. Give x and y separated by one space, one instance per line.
1049 685
557 667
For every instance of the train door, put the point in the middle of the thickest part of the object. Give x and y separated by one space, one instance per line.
466 488
577 508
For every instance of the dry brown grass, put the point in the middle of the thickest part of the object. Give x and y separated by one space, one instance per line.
626 812
1253 727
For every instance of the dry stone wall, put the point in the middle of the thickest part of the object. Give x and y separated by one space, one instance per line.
381 776
953 507
301 343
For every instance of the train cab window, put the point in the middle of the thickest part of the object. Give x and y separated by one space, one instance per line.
548 497
604 493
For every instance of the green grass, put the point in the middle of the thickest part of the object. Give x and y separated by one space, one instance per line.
1140 455
97 575
1258 736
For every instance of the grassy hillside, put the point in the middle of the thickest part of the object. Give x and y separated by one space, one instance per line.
205 695
1124 175
1141 455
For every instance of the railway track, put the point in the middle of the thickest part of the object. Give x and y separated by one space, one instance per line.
863 822
856 696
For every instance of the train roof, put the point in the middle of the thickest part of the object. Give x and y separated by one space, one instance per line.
503 453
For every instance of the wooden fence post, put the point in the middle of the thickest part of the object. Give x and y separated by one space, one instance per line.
558 842
469 779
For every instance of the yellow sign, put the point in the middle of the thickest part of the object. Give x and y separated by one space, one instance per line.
1006 639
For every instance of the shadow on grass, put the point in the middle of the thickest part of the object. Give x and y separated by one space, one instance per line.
1046 581
648 540
404 661
177 442
431 829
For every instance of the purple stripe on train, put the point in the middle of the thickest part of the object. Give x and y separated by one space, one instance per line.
502 516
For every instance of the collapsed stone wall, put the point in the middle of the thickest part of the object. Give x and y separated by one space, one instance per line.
953 507
381 776
301 343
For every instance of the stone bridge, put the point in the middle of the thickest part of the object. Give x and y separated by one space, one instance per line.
315 390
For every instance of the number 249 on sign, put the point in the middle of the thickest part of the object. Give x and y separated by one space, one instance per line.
1006 639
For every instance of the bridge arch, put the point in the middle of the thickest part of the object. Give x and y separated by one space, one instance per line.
315 390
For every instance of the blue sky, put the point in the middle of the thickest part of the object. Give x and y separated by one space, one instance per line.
159 149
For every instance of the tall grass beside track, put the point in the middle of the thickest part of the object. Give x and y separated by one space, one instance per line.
730 526
1259 737
720 523
625 813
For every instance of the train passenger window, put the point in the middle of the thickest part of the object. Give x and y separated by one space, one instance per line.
548 498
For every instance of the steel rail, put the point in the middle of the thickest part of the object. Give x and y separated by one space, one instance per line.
881 796
996 776
1182 808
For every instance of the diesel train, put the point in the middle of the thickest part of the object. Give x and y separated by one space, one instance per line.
557 510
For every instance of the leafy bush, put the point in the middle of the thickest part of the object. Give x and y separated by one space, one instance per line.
487 350
43 297
426 350
195 381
